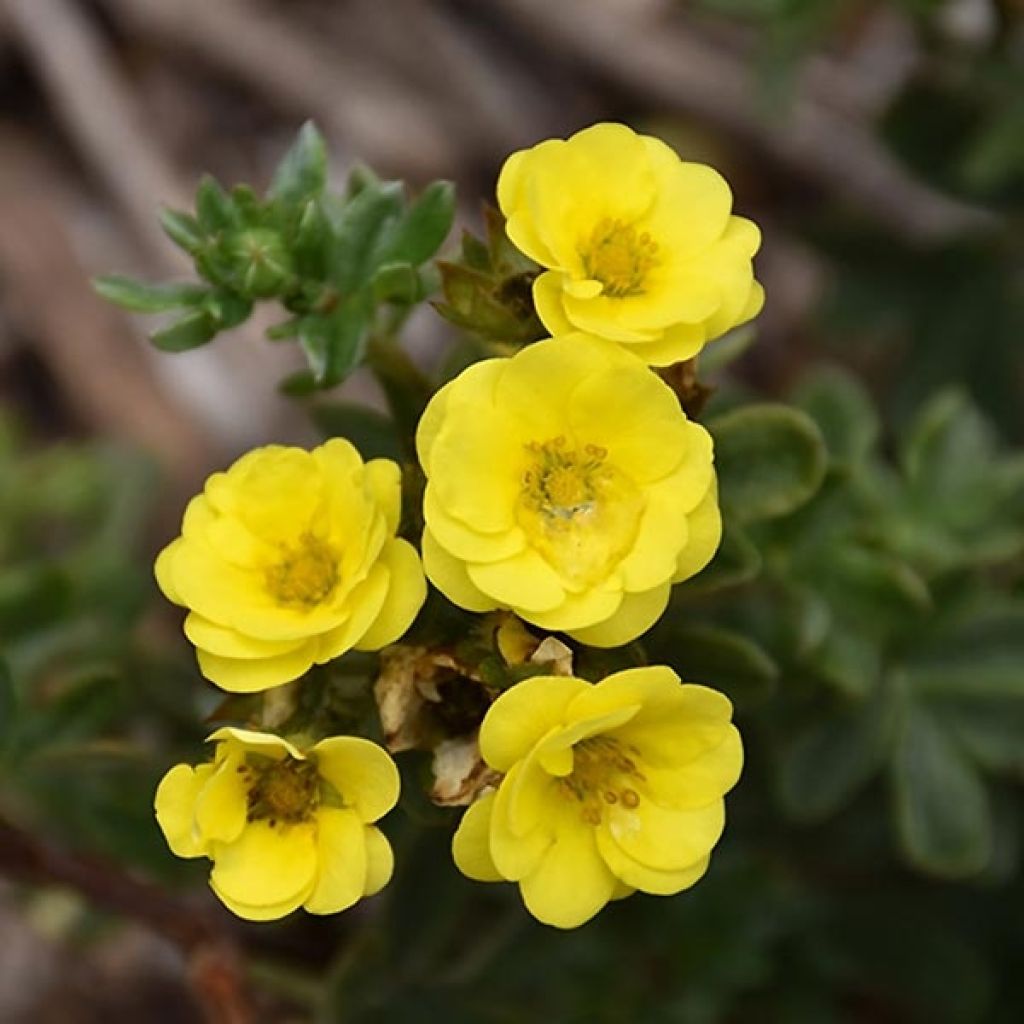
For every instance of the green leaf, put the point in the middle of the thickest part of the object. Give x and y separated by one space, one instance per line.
879 586
422 229
191 331
848 660
8 704
950 447
990 728
299 384
942 810
770 458
227 308
148 298
834 757
183 229
303 171
334 345
369 430
214 208
716 356
718 658
736 561
357 227
397 282
844 412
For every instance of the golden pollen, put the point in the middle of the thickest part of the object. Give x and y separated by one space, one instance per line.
306 575
602 774
619 257
580 513
285 790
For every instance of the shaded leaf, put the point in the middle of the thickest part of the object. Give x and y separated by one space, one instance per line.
214 207
942 810
844 412
423 227
369 430
191 331
303 170
183 229
140 297
770 459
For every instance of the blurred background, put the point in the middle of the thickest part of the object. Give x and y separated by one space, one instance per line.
880 146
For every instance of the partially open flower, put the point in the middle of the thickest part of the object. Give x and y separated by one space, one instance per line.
607 788
290 559
566 484
284 829
640 246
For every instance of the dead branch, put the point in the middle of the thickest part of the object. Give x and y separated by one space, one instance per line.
104 375
214 961
346 93
653 57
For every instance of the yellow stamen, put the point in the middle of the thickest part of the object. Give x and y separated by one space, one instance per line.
619 257
306 575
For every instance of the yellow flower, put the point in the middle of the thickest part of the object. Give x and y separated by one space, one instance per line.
607 789
640 245
289 559
284 829
565 483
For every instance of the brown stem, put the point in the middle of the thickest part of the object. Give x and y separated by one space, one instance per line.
214 963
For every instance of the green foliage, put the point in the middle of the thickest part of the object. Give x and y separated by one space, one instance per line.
344 267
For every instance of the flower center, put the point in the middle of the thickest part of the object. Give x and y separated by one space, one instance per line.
619 256
306 575
580 513
604 773
286 791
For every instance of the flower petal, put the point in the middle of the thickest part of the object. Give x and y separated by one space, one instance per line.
341 860
222 803
637 613
362 772
267 866
407 590
523 715
250 675
471 845
175 808
632 873
664 839
705 534
380 860
449 575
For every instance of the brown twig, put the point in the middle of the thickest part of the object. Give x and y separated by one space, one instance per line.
667 64
214 963
345 92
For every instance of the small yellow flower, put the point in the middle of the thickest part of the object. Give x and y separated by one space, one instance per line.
607 789
290 559
640 245
565 483
284 829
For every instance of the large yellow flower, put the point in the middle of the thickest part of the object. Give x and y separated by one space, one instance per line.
640 245
284 829
565 483
289 559
608 788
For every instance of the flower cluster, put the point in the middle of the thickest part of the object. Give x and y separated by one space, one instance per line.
562 484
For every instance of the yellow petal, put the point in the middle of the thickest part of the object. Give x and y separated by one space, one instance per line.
221 804
515 855
635 416
523 715
175 808
548 290
380 860
341 859
266 743
362 772
229 643
578 610
250 675
638 876
462 541
705 534
163 570
525 582
384 480
676 343
267 866
407 590
449 575
571 883
262 911
637 613
699 781
471 847
664 839
365 604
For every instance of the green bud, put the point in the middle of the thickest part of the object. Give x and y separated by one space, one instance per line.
264 264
